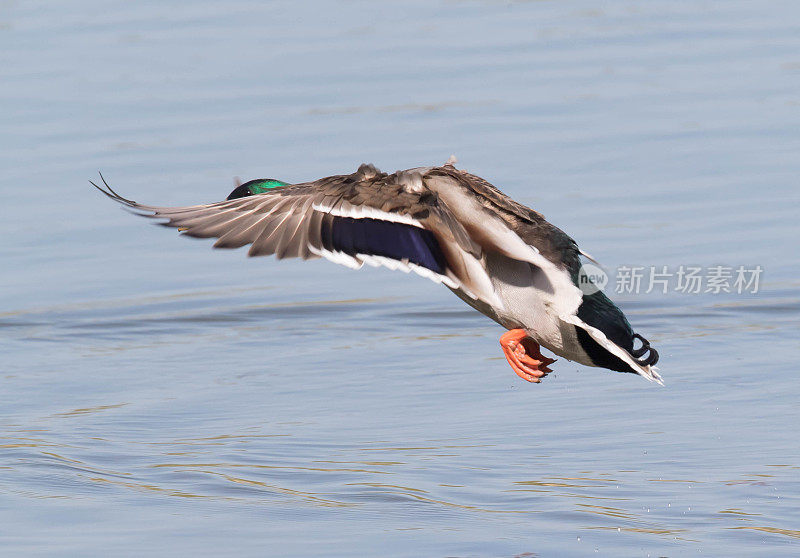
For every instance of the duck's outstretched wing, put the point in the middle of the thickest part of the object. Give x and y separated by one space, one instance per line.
370 217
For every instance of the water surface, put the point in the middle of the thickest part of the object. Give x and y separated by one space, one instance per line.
158 397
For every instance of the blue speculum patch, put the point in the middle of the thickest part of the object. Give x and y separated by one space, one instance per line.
374 237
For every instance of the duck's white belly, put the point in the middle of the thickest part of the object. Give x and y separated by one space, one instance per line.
528 297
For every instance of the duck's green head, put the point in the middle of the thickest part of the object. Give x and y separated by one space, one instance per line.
258 186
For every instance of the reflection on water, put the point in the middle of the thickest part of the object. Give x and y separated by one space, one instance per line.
160 397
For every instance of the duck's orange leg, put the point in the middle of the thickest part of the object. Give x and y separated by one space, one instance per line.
524 356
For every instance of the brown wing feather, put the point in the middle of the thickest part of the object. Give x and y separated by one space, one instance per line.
531 226
285 221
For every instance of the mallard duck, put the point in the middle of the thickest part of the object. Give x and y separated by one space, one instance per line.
445 224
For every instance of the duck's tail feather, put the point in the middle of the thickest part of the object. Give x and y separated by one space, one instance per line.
652 354
642 366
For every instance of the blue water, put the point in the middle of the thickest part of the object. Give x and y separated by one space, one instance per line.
159 397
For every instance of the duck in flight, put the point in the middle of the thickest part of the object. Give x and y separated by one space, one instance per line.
498 256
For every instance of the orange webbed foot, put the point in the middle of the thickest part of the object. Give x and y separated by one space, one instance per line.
524 356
